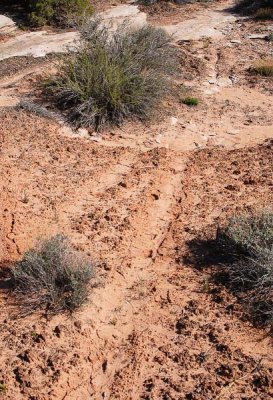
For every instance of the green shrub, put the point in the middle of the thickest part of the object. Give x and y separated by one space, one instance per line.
263 67
247 242
57 12
190 101
52 275
115 74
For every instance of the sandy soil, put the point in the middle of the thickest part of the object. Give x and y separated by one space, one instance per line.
148 323
155 326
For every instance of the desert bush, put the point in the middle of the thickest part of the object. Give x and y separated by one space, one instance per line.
260 8
249 234
190 101
52 275
56 12
116 74
247 242
263 67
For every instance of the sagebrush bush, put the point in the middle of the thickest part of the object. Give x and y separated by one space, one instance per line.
56 12
247 242
115 74
52 275
263 67
253 7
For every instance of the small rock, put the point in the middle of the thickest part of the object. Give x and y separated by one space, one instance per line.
212 81
95 138
7 25
233 131
83 132
224 82
236 41
258 36
66 131
174 121
78 324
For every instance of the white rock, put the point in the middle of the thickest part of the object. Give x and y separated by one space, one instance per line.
66 131
124 13
37 44
224 82
95 138
174 121
82 132
203 25
7 25
258 36
233 131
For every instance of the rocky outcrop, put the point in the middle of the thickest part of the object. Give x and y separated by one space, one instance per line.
37 44
7 25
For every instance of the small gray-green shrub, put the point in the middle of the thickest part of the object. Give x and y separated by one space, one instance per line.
247 242
52 275
116 74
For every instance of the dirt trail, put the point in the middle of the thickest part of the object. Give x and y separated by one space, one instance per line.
154 327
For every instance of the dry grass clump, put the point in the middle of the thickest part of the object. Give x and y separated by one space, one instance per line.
263 67
52 275
247 243
264 13
116 74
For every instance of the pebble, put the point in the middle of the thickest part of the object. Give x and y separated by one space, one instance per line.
174 121
233 131
258 36
83 132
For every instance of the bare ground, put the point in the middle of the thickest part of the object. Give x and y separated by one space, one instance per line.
155 327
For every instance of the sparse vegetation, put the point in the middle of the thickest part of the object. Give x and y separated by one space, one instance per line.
55 12
190 101
264 13
52 275
3 388
247 243
34 108
261 9
116 74
263 67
